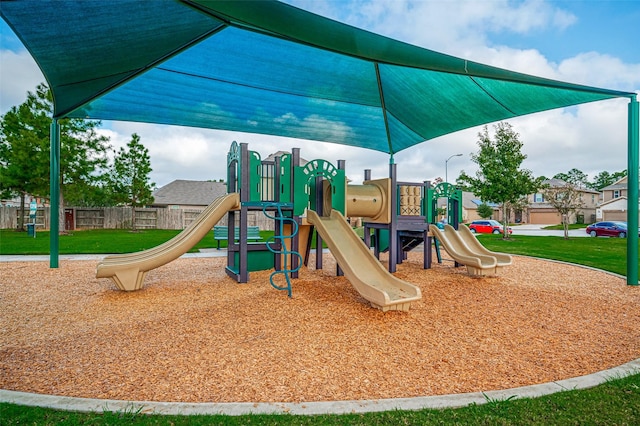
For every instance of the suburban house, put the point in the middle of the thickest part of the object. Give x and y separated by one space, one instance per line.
540 211
188 194
614 201
470 205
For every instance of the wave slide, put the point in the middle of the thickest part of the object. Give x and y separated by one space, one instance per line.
360 267
478 263
469 238
128 270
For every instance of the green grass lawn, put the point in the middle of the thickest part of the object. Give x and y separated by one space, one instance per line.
98 241
614 403
609 254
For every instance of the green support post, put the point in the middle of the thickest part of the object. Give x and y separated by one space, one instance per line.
632 196
54 183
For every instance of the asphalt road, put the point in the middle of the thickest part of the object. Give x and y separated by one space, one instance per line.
536 230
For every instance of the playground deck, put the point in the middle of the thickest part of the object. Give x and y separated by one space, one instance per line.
194 334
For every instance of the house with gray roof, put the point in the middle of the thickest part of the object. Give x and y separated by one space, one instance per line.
188 194
614 201
541 212
617 189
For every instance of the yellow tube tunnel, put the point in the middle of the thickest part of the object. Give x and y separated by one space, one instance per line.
370 201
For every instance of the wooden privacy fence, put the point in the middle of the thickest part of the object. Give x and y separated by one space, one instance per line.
119 218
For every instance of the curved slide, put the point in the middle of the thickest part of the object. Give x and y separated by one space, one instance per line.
361 268
469 238
128 270
478 263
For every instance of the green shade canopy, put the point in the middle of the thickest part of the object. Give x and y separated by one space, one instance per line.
266 67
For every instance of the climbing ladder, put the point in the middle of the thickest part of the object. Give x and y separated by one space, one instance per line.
276 245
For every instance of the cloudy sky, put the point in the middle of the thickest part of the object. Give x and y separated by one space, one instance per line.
588 42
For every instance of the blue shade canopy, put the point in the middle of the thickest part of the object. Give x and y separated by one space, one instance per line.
266 67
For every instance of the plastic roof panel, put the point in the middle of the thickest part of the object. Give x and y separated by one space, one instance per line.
266 67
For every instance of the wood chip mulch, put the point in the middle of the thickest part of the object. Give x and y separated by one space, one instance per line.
194 335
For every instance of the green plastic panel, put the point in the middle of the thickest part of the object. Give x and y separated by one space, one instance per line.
285 178
259 260
255 176
305 185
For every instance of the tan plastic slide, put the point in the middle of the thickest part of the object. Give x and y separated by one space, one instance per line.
361 268
128 270
476 263
472 242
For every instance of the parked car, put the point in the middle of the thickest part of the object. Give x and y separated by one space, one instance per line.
608 229
487 227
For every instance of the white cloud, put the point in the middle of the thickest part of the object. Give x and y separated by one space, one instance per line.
451 27
601 70
18 74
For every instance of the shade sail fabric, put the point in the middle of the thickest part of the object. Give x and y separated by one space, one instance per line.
266 67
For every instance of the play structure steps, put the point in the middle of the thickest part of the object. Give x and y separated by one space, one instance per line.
128 270
281 248
360 267
409 243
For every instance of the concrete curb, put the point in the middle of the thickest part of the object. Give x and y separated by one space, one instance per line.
319 407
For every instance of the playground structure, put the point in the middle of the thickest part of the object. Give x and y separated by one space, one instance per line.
312 197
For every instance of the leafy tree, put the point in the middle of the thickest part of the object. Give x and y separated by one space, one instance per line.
499 178
485 211
575 177
24 150
566 199
25 147
130 176
97 194
605 178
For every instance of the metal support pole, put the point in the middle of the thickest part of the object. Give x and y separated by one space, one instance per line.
243 255
295 243
393 225
342 165
632 196
54 184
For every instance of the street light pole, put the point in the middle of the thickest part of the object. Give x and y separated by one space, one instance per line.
446 175
446 179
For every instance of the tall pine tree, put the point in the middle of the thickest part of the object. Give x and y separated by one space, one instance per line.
130 179
25 147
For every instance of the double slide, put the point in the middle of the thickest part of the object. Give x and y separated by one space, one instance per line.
128 270
465 249
367 275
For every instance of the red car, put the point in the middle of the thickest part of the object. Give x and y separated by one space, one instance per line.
487 227
607 229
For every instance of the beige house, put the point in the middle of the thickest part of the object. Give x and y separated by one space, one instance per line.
470 205
616 190
540 211
614 201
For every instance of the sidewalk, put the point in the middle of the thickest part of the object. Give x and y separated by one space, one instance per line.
538 231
